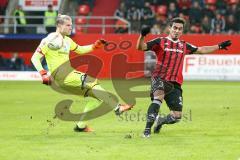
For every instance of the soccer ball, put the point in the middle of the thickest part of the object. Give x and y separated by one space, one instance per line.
55 41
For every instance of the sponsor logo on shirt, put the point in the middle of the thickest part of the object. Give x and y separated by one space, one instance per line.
173 50
65 48
180 45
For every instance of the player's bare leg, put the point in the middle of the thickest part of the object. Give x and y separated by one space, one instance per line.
101 94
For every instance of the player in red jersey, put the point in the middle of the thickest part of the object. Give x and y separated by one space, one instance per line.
167 78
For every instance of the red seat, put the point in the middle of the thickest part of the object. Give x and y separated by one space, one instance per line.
79 29
213 2
83 10
3 3
232 2
81 20
162 10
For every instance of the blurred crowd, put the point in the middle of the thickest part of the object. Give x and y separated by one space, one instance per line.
49 20
13 64
16 63
90 3
202 16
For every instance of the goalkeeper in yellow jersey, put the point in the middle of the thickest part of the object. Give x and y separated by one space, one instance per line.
56 48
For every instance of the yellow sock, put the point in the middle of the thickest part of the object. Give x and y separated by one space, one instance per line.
90 104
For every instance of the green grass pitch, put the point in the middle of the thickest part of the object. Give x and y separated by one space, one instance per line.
210 129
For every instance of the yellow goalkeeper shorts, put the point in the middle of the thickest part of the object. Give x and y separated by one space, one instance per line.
76 82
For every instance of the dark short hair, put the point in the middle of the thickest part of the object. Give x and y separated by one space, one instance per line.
177 20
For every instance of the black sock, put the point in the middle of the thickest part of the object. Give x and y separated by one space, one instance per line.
152 114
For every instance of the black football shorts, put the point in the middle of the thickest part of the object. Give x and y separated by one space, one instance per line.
172 91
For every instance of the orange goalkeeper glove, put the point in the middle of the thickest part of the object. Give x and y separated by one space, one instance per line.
45 78
99 44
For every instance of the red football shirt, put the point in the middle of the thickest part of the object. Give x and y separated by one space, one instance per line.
170 55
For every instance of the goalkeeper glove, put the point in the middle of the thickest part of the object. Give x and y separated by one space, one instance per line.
99 44
224 45
145 30
45 78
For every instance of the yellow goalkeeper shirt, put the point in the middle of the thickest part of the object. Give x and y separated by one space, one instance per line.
56 58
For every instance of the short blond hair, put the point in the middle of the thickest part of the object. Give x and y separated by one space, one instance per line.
61 19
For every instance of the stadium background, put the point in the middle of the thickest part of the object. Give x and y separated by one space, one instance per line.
27 128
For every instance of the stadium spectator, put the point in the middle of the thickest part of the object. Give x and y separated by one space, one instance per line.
184 6
172 11
3 65
121 27
218 24
162 23
134 16
201 2
20 20
221 6
140 3
156 29
231 25
195 15
207 11
205 25
147 15
121 11
16 63
135 3
50 19
234 9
